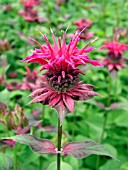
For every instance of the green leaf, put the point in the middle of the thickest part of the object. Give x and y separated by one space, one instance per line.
5 96
122 120
6 162
124 166
66 166
111 164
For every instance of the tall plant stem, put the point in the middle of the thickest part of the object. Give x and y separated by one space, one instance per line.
104 15
15 158
74 122
59 145
117 13
105 120
41 135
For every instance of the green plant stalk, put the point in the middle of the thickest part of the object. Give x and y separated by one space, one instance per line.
59 145
41 135
74 122
117 13
104 15
105 120
15 158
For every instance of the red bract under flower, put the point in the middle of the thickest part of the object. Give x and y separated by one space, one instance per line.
61 85
63 101
114 60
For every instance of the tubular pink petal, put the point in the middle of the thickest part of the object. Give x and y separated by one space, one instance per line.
63 74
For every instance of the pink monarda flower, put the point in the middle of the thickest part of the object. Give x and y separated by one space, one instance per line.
61 85
30 3
32 80
4 45
84 23
114 60
29 13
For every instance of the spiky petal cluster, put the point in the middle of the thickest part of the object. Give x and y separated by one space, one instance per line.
61 86
61 54
114 60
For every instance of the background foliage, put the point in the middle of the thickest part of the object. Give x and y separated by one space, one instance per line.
89 117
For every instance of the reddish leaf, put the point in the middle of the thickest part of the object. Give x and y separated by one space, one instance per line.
8 142
41 146
27 128
115 106
3 108
83 149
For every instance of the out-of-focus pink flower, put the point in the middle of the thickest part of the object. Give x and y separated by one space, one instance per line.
30 3
4 45
61 85
2 79
120 32
13 86
32 81
7 8
29 13
84 23
61 2
114 60
13 74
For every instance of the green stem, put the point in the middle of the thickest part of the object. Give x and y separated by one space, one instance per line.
15 158
104 15
41 135
105 120
74 122
117 14
109 91
59 145
101 138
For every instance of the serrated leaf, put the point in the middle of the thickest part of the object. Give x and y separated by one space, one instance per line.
40 146
84 149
